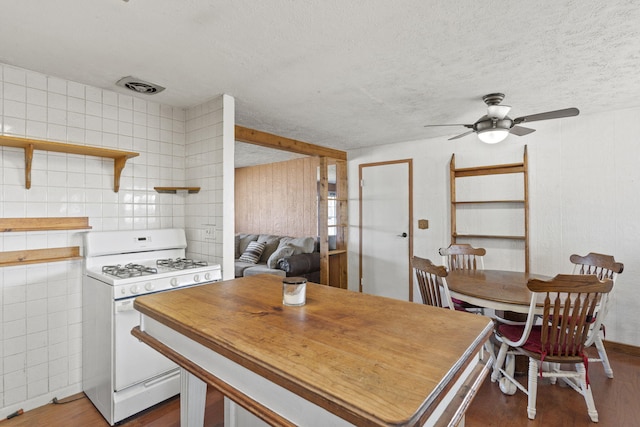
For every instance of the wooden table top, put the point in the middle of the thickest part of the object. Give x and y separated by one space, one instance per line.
494 286
368 359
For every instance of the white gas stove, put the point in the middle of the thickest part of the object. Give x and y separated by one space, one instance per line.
142 262
121 375
155 275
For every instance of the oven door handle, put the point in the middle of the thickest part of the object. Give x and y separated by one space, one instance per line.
124 305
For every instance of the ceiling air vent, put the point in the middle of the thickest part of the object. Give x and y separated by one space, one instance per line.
138 85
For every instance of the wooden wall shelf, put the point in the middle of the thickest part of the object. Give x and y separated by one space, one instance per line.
29 145
479 202
174 190
488 236
34 256
43 224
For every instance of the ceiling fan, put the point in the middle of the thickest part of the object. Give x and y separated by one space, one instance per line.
495 126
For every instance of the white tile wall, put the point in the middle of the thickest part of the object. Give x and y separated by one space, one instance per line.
40 337
204 142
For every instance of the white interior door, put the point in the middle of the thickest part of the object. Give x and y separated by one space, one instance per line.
385 224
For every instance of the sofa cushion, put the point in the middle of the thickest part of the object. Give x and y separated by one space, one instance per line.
271 243
240 267
301 245
281 252
243 242
253 252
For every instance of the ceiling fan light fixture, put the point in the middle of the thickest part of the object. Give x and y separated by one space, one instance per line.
493 135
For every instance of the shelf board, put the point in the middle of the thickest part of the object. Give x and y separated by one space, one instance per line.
29 145
488 236
35 256
174 190
478 202
337 252
43 224
490 170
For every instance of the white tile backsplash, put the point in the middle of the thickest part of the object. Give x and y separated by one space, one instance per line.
41 305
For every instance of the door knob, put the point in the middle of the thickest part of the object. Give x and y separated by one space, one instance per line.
402 235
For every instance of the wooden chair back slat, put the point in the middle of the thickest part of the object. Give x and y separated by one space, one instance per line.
431 281
603 266
462 256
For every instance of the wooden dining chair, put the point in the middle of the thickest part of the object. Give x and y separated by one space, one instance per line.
605 267
569 305
462 256
432 282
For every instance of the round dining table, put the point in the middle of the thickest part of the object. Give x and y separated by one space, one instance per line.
504 292
495 289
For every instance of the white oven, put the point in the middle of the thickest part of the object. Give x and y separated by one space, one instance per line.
121 375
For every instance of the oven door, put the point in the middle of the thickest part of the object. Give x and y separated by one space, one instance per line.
134 361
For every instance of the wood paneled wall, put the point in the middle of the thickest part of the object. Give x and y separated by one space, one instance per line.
278 198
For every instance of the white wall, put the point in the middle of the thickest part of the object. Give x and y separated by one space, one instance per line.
584 182
41 313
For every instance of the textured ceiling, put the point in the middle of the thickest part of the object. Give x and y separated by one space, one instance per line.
340 73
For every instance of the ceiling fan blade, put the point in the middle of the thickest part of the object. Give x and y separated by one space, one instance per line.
567 112
521 130
461 135
456 124
498 111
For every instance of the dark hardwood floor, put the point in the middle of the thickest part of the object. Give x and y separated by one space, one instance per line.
616 400
79 411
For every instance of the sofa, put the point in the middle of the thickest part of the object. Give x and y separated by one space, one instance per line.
280 255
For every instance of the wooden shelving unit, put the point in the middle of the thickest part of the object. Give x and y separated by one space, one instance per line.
175 190
512 168
30 145
34 256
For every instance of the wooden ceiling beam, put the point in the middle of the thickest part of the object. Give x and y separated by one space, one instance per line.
270 140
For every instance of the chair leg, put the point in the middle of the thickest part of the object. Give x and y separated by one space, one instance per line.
497 365
586 392
532 388
552 367
603 356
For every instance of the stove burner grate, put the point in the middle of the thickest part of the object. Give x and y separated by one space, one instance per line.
129 270
180 263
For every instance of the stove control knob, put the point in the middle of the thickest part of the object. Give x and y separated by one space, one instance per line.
149 286
174 282
123 291
134 289
196 278
207 276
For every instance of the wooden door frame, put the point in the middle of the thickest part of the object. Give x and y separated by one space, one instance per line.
409 163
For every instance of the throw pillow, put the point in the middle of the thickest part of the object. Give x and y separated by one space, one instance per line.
281 252
252 253
302 245
272 243
244 242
